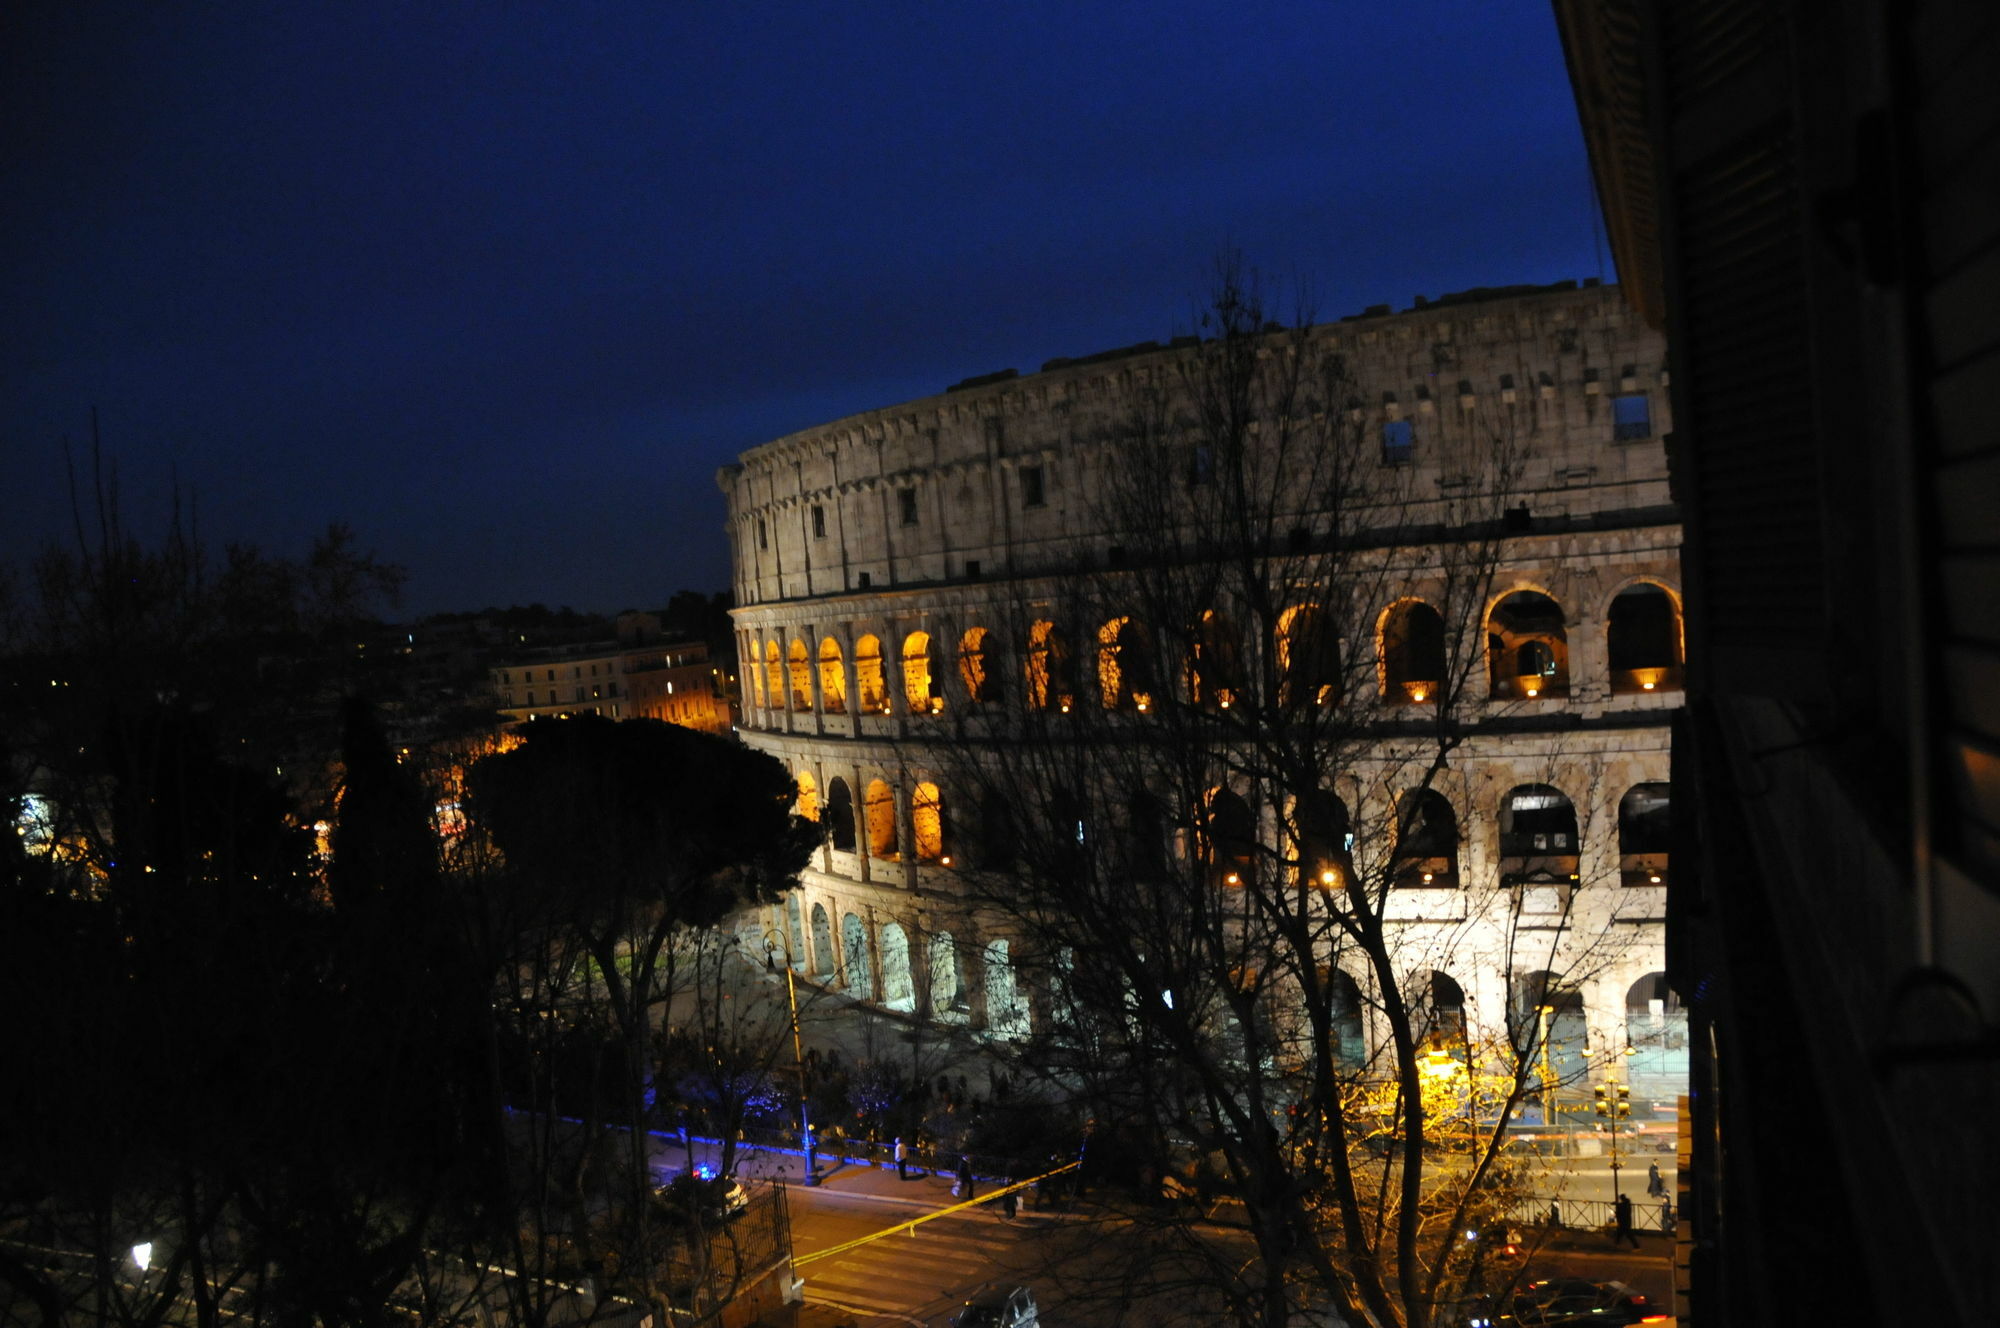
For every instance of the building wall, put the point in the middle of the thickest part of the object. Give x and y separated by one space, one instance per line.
674 682
1596 524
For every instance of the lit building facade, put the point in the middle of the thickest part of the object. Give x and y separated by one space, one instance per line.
637 677
898 571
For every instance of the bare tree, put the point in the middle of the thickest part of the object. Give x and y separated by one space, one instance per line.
1210 812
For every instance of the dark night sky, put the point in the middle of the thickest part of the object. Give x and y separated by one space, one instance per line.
501 285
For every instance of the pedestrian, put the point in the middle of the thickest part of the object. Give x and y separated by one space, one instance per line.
964 1187
1655 1185
1010 1202
902 1159
1555 1213
1621 1212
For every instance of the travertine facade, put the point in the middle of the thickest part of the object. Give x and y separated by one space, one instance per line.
871 552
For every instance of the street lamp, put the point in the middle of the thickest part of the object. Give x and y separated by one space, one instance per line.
798 1052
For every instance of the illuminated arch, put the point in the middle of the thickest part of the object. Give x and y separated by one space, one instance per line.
807 802
927 821
868 675
879 808
974 670
917 674
1411 646
802 676
832 677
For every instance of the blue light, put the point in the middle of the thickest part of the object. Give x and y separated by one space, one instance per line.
706 1171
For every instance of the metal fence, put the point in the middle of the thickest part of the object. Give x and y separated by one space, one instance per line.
1648 1214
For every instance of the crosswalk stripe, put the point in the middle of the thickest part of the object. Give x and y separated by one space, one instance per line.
851 1299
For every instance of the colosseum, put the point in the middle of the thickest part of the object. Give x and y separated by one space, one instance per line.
1472 532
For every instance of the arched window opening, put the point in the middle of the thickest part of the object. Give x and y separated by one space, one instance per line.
1413 665
854 950
899 992
1308 657
807 802
832 677
1325 839
880 809
1645 835
1343 999
1006 1007
1426 841
1546 1025
947 992
822 955
917 675
927 822
1440 1013
1215 664
802 677
774 675
1229 838
1527 650
1538 838
840 814
869 692
1644 636
1124 666
1656 1031
998 845
1146 838
1047 669
974 670
1070 837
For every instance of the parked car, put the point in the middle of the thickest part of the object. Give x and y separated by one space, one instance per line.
999 1307
714 1198
1568 1302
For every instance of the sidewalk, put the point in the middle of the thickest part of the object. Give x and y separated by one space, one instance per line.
839 1173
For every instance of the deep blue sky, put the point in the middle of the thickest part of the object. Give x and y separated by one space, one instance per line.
501 285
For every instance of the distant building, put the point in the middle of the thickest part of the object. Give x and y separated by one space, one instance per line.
637 676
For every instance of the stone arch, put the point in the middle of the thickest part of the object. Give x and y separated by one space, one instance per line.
1215 663
997 845
927 821
1410 642
1124 665
1145 856
774 675
899 991
802 677
1228 837
806 804
1047 668
1656 1030
832 677
1344 1010
869 691
1308 646
879 810
1438 1009
840 814
753 677
975 670
1325 835
1645 834
854 953
947 990
1645 637
822 946
1006 1005
1426 840
1538 836
1527 647
917 691
1546 1021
